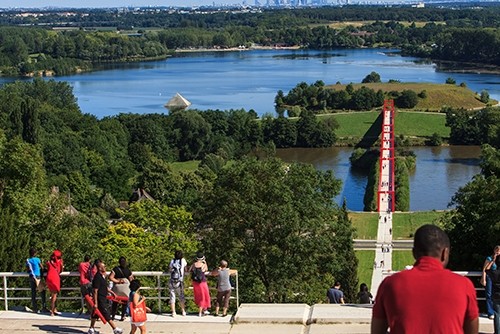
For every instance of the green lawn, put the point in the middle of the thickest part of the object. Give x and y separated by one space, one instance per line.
365 265
186 166
401 259
404 224
420 124
365 223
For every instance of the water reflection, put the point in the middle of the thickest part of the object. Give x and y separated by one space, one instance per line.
440 172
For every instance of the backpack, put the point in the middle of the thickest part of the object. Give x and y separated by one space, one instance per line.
89 273
197 274
175 274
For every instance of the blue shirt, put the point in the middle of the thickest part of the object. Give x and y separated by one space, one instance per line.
34 265
494 265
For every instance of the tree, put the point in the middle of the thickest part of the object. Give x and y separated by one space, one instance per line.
450 81
150 233
407 99
23 188
485 96
372 77
282 230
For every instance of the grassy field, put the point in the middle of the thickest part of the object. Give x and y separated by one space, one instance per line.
365 224
404 223
186 166
401 259
438 95
418 124
357 24
365 266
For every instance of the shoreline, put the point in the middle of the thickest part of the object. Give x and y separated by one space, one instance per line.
233 49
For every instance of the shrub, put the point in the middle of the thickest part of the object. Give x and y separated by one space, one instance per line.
422 94
407 99
450 81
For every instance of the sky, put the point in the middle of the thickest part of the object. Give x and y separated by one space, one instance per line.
106 3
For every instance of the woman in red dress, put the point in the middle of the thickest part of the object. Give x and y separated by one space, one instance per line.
53 280
200 287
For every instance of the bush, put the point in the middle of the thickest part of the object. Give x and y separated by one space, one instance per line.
407 99
485 97
372 77
450 81
422 94
435 140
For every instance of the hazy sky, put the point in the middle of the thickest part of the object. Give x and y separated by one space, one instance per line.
106 3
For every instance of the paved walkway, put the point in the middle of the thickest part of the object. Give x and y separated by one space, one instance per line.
250 318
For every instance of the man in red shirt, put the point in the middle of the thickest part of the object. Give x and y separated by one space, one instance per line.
428 298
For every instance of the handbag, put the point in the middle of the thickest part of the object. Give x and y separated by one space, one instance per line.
41 286
138 312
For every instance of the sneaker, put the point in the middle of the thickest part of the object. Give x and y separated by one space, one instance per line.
117 331
183 313
207 312
491 317
92 331
174 314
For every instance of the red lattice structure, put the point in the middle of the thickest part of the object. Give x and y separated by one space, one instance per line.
386 198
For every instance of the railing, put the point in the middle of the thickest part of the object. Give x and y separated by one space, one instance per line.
158 275
470 274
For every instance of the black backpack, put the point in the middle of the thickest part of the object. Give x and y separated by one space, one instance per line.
197 274
175 274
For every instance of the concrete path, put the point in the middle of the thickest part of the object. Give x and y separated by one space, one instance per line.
250 318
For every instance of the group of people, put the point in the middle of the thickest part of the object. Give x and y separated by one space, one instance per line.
52 282
104 298
336 296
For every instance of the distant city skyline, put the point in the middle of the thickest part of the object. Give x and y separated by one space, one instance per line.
108 3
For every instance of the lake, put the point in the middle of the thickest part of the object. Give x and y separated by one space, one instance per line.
440 172
251 79
246 79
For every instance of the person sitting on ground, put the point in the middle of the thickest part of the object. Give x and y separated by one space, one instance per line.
427 298
364 296
335 295
223 287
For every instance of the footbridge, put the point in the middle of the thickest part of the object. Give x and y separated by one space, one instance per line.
385 198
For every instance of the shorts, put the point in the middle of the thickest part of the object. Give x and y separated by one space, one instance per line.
103 307
176 290
86 289
223 298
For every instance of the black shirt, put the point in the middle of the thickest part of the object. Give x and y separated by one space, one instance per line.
495 279
99 282
122 272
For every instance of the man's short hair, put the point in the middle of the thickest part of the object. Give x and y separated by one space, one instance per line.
430 240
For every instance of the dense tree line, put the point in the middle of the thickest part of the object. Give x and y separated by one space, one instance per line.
31 50
53 158
267 18
474 127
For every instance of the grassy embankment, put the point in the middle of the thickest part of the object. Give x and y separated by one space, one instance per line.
437 95
404 225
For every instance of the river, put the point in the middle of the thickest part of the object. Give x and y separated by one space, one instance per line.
440 172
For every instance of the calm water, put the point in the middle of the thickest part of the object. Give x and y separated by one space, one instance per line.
251 79
440 172
246 79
